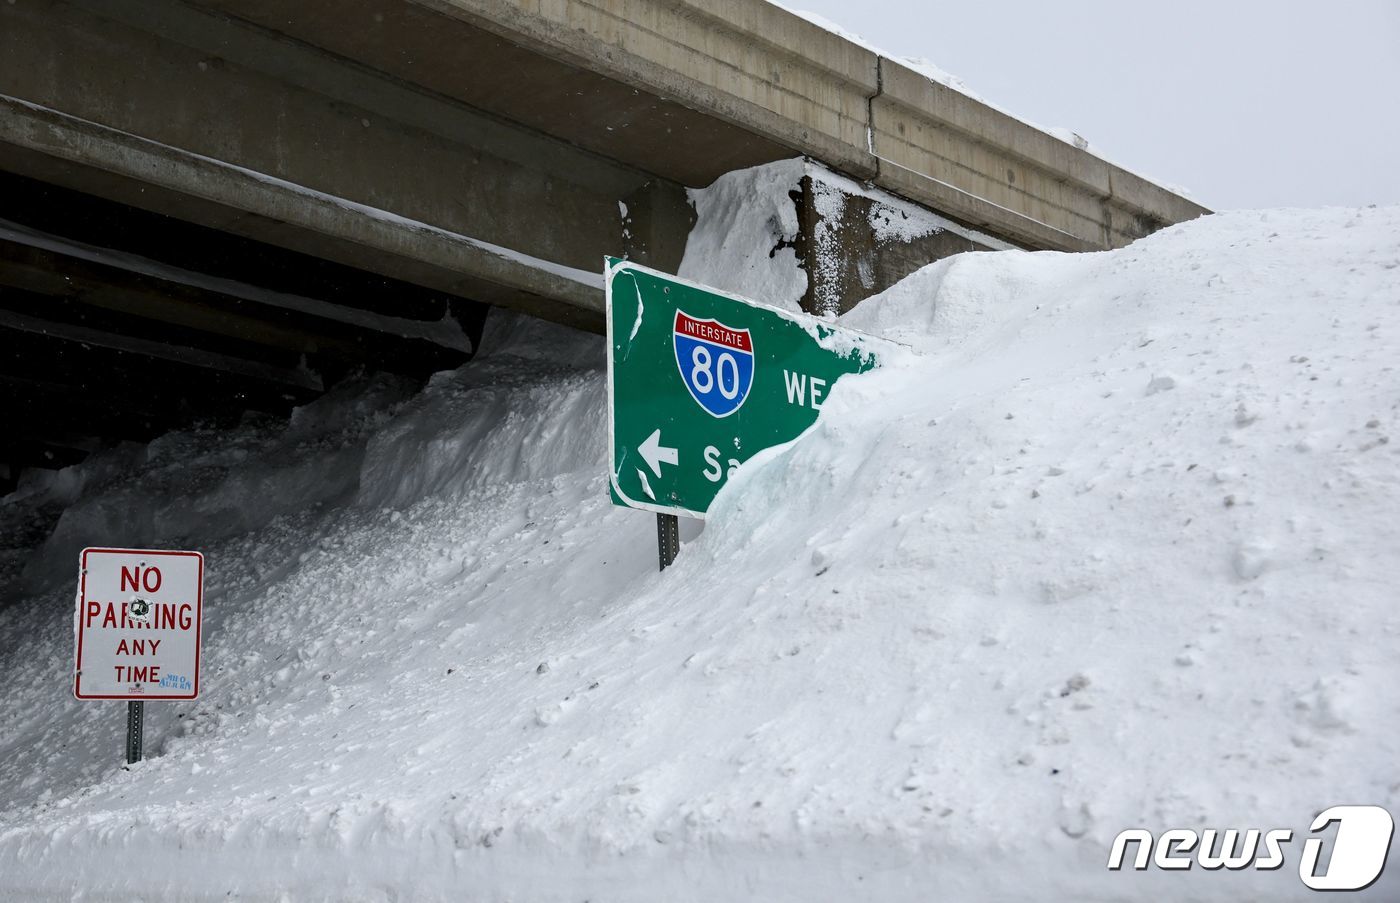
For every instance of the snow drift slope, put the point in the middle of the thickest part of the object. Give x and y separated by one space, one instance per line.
1111 547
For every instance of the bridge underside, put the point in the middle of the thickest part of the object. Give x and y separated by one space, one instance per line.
217 205
384 136
147 282
117 324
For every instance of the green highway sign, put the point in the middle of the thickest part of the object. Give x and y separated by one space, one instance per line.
699 381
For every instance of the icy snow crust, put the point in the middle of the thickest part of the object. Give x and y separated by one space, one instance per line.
1113 547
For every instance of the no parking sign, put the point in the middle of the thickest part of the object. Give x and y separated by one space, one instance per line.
137 624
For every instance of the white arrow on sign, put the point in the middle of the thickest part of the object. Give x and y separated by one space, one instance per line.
656 454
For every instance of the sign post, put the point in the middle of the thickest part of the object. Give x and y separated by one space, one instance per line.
135 730
137 630
699 381
668 538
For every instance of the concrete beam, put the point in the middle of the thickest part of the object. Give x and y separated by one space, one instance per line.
194 114
194 357
36 261
486 148
747 63
944 149
750 63
120 166
855 241
687 91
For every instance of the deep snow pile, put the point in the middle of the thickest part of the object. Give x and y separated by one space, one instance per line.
1112 546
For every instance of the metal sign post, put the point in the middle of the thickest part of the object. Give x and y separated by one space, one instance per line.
135 725
668 538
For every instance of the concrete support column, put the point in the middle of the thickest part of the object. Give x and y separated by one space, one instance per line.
855 241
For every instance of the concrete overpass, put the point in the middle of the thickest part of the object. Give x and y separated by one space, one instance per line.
250 198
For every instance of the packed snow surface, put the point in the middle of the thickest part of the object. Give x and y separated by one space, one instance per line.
1113 545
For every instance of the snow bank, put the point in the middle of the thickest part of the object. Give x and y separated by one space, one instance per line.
206 484
745 223
484 426
1112 547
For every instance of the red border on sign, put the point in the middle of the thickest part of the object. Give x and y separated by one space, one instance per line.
198 623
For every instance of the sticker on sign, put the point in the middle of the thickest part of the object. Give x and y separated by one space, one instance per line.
137 624
699 381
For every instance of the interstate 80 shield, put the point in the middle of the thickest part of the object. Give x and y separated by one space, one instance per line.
715 361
